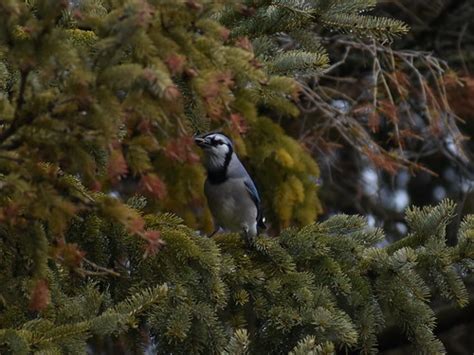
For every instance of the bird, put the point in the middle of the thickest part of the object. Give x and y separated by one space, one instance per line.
231 194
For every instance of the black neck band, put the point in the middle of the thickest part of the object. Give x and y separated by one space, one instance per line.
220 175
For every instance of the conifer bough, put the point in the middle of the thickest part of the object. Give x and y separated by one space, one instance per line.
98 101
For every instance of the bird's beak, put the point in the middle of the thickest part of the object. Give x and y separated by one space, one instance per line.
201 142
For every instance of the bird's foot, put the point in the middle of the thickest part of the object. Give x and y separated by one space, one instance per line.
213 233
249 239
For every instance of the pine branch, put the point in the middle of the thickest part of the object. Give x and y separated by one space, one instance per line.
309 346
18 122
238 344
378 28
294 62
41 335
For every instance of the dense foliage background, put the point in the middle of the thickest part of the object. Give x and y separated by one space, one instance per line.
332 109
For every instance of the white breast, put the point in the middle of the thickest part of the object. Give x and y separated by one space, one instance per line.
231 206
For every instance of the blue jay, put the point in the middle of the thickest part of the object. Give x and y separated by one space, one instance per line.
231 194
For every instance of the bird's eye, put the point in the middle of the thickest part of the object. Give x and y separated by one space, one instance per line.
216 142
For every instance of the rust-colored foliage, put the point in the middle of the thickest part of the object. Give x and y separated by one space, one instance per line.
460 92
117 166
40 296
175 63
239 124
153 243
383 161
69 254
182 150
389 110
151 185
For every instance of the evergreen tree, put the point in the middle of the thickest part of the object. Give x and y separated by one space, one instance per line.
98 104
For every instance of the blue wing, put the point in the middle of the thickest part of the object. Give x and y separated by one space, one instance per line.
252 190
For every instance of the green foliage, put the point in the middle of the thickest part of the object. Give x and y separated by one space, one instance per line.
266 22
238 344
309 346
111 90
311 290
72 78
288 173
98 103
67 326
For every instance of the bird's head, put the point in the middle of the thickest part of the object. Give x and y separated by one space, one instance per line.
217 150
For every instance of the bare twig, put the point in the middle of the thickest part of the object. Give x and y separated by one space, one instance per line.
101 270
